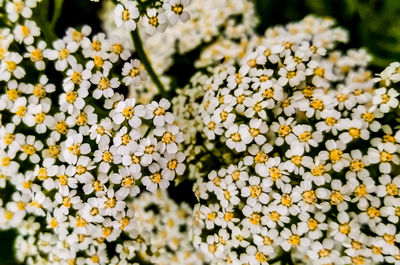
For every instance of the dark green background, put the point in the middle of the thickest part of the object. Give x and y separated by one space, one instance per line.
373 24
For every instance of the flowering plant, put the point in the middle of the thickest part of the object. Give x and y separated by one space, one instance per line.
288 141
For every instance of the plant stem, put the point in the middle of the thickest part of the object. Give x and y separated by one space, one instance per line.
146 62
56 13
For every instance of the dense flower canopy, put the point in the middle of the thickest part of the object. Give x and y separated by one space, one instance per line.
288 140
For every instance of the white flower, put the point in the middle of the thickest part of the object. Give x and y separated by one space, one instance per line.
105 85
26 33
175 10
154 21
386 99
125 14
126 110
238 137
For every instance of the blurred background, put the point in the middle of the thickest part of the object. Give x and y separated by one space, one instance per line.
372 24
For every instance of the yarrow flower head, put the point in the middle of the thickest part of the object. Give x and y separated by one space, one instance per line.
307 152
75 150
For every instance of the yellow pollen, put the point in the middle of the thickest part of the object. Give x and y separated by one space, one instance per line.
211 216
368 117
269 93
372 212
21 111
117 48
335 155
70 97
284 130
354 132
159 111
392 190
9 138
77 36
96 45
98 61
294 240
275 173
80 169
319 71
172 164
107 231
111 202
11 66
42 174
255 191
291 74
385 156
261 257
168 137
62 127
36 55
317 104
275 216
356 165
236 137
28 149
252 63
260 158
128 112
125 15
25 31
63 54
286 200
385 98
344 228
312 224
324 252
5 161
330 121
177 9
134 72
309 197
305 137
154 21
336 197
156 178
13 94
255 219
74 149
360 190
39 91
390 239
39 118
388 139
76 78
107 157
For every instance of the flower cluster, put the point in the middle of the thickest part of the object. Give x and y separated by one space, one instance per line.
307 144
160 237
73 149
153 15
222 25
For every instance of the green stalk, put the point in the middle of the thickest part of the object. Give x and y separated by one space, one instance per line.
146 62
56 13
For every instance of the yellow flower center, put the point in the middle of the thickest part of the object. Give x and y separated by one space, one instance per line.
70 97
154 21
177 9
168 138
76 78
63 54
39 91
36 55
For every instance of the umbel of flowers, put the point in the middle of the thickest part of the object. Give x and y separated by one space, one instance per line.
74 152
160 237
310 154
